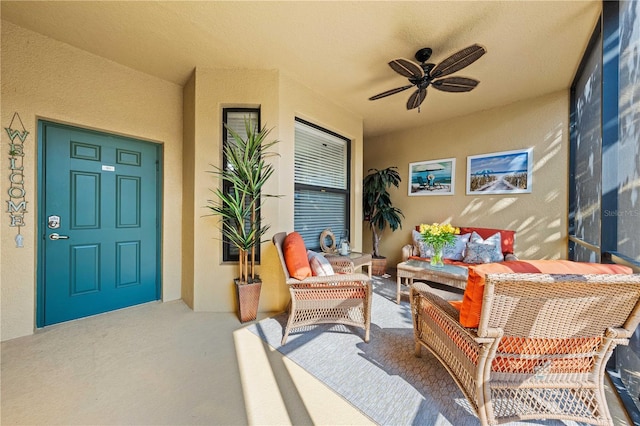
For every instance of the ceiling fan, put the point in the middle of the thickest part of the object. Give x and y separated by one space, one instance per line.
425 74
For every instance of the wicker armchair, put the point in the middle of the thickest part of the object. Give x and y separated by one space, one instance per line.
343 298
541 347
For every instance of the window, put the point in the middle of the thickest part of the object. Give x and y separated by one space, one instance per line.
627 214
235 119
321 183
604 207
604 197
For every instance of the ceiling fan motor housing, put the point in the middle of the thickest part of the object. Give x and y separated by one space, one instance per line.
423 54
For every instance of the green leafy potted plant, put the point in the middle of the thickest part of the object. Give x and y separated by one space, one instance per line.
378 209
239 207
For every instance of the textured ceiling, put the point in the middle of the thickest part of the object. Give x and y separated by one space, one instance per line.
339 49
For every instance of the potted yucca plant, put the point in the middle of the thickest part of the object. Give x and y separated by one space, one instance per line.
239 207
379 211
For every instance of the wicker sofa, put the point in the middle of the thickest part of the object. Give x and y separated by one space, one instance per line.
507 242
541 341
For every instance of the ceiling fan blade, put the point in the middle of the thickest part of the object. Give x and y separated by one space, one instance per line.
455 84
390 92
416 98
458 60
406 68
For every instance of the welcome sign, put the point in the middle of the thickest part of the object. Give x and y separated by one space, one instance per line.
17 204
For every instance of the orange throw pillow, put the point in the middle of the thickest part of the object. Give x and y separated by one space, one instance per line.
295 256
472 299
457 305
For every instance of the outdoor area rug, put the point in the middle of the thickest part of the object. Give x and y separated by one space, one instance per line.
382 378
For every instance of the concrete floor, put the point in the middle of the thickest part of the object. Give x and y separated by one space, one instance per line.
160 364
164 364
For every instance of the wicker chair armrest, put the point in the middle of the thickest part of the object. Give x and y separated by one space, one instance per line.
332 280
407 251
620 335
423 290
451 314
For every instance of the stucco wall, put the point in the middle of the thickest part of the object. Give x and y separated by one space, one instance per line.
188 175
280 100
212 283
43 78
539 217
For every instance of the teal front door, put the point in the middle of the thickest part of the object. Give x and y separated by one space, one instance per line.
99 223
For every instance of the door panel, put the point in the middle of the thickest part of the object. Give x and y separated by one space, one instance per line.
85 200
104 189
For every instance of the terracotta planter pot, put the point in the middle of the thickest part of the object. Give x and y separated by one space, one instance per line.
378 266
248 296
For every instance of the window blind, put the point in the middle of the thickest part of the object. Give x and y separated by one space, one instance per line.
316 211
320 158
321 177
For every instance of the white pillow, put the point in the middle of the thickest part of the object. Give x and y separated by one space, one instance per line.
455 251
480 253
320 266
424 248
494 241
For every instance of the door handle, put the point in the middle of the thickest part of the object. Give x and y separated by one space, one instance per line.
56 236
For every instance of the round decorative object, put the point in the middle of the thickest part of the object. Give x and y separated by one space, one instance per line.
327 241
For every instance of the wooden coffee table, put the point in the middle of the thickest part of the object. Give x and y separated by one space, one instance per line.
455 276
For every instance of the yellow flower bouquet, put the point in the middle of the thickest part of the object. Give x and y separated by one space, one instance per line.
438 235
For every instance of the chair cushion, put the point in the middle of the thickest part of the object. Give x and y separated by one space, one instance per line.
472 299
295 256
319 264
518 346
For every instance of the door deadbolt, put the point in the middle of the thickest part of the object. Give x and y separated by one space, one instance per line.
53 222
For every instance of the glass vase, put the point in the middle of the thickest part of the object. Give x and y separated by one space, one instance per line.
436 259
